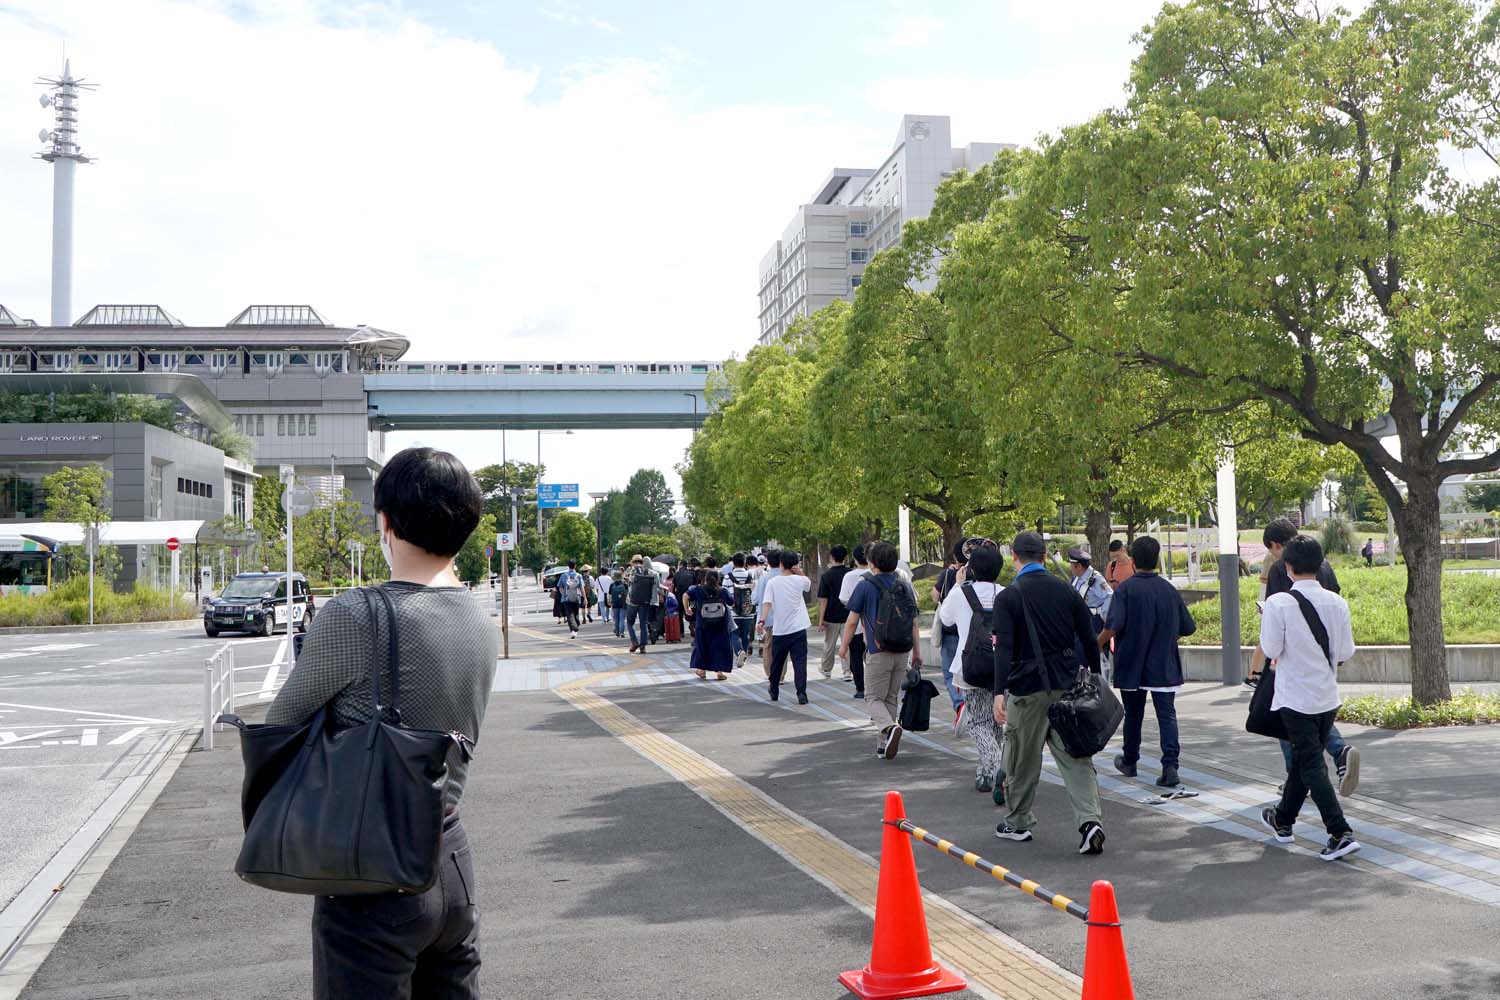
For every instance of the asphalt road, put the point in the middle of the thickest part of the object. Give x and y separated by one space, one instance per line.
76 710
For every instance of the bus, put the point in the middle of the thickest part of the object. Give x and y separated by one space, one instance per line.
26 564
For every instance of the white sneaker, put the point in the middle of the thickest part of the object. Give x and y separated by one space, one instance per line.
572 635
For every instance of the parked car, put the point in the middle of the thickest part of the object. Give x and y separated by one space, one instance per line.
256 603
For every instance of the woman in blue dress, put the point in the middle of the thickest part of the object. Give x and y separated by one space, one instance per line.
712 648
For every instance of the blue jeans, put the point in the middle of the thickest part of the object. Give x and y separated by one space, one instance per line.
618 614
1334 745
744 629
1165 703
948 652
639 613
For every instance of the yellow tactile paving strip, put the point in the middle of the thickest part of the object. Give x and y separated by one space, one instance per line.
995 964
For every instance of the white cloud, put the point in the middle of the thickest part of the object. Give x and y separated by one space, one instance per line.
567 14
389 173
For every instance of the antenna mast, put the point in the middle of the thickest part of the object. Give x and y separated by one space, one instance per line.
63 153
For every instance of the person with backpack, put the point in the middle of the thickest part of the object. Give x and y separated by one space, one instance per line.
947 646
969 608
683 580
884 605
643 589
713 643
784 614
570 587
615 597
1307 632
392 944
831 611
1040 623
856 654
1367 552
1147 616
741 584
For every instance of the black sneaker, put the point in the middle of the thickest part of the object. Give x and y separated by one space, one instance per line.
1123 766
1348 766
893 742
1342 845
775 695
802 699
983 783
1092 841
1168 777
859 695
1005 832
1283 834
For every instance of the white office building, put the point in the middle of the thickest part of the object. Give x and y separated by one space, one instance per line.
855 213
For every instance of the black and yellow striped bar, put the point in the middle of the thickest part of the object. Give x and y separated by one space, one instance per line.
999 872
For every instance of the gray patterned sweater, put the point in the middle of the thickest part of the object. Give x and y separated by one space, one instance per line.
448 649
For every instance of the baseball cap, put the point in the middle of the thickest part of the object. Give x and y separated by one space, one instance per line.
1029 543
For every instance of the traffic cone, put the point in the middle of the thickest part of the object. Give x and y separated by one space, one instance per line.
901 963
1106 974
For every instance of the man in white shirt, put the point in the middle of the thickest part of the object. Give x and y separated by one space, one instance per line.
784 610
1307 690
771 571
856 657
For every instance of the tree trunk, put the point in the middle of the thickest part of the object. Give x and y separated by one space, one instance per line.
953 533
1097 529
1420 526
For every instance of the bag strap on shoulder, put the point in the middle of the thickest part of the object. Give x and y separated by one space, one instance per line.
1314 624
393 653
971 597
1036 643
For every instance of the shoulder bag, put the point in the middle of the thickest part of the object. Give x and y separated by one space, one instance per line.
1087 716
345 812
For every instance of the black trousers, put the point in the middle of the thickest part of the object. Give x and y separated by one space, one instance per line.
795 646
402 946
570 614
857 658
1307 734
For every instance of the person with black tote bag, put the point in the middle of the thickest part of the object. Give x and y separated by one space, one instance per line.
400 944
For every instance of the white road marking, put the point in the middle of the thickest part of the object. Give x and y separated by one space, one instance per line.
7 737
96 716
30 737
127 735
90 738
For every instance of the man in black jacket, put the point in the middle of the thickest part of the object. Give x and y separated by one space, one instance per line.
1033 672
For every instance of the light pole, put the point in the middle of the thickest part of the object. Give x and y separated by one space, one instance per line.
694 397
598 530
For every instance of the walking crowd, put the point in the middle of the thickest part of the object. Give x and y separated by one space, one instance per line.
1012 657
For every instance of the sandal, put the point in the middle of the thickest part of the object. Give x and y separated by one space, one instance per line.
722 677
701 675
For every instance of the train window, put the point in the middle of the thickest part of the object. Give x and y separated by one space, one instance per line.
512 368
88 359
607 369
255 359
299 359
700 369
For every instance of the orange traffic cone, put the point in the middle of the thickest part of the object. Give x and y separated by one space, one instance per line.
1106 974
901 962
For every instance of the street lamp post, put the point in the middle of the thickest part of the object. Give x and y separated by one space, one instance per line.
598 530
694 397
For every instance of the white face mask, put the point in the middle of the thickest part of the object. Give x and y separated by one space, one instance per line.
385 543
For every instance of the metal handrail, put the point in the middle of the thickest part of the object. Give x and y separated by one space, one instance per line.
218 691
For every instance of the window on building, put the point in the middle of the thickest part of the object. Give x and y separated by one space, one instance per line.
281 425
312 425
858 256
854 281
859 229
154 497
181 485
260 425
237 501
302 425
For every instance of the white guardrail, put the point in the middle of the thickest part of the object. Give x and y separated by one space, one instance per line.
218 691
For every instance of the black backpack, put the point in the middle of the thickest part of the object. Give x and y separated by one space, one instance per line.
642 586
744 589
894 615
978 654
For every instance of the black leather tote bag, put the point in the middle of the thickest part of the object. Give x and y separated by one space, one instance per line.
1087 717
1262 720
345 812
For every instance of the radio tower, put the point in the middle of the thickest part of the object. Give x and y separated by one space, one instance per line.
63 153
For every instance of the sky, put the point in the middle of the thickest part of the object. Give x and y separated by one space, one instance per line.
550 180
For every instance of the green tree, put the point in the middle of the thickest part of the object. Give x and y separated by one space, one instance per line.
512 484
1270 219
693 542
1483 494
235 443
531 553
649 546
320 539
80 495
572 536
652 505
94 406
268 518
471 562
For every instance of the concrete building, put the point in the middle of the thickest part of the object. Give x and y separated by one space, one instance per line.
854 214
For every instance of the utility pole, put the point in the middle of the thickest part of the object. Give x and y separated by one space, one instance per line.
63 153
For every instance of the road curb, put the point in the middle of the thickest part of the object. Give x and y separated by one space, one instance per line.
73 629
33 922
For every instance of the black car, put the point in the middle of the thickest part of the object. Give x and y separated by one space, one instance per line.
256 603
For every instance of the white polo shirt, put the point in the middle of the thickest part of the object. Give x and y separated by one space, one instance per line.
1305 681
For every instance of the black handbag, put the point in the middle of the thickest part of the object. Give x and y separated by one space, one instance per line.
1087 716
916 703
345 812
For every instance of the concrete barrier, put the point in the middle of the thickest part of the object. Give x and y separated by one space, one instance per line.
1370 664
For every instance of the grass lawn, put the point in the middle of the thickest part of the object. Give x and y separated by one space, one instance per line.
1467 708
1377 606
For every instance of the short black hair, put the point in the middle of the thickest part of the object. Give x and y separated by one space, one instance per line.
859 556
884 556
429 500
984 564
789 558
1116 545
838 553
1279 532
738 559
572 564
1303 555
694 563
710 563
1145 552
773 558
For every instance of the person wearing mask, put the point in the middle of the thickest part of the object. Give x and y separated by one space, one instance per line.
885 669
1278 581
1027 684
1307 691
784 614
855 657
1119 568
831 611
642 593
1147 616
963 608
399 944
948 644
713 643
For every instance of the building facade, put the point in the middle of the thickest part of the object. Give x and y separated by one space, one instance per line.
854 214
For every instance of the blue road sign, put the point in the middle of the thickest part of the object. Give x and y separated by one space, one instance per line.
557 495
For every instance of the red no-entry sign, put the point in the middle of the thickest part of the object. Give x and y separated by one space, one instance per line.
173 544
